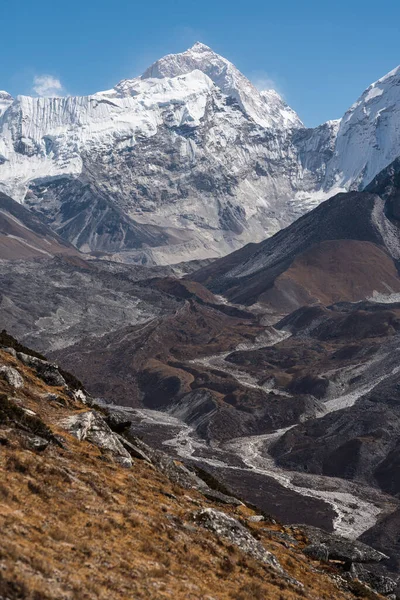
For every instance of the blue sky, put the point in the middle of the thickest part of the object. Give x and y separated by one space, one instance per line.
320 55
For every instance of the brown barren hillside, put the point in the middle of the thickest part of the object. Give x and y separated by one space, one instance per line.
343 249
334 271
77 524
24 236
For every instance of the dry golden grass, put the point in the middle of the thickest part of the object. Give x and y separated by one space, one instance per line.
76 526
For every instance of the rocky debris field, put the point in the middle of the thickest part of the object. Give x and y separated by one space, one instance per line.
78 521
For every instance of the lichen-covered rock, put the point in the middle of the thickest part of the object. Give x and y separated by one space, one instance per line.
225 526
334 547
80 396
12 376
256 518
133 450
37 443
9 351
45 370
380 583
92 427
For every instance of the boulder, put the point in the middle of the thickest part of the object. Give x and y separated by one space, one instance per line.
45 370
334 547
12 376
9 350
225 526
256 518
377 581
37 443
80 396
118 420
317 552
92 427
133 450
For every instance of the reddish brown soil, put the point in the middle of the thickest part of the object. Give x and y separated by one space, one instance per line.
334 271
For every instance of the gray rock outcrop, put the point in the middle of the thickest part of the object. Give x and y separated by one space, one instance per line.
92 427
45 370
12 376
229 528
325 546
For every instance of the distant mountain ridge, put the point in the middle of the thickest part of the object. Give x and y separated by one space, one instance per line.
345 249
187 161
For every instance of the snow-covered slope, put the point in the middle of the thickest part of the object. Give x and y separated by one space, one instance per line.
368 139
187 161
45 137
5 101
265 108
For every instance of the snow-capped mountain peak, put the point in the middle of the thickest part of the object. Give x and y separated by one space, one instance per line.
394 73
189 160
265 110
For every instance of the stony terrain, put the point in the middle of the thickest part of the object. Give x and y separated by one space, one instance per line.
88 512
287 401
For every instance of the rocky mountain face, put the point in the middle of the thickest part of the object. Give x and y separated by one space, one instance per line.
187 161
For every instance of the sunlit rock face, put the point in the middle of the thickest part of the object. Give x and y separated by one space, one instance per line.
187 161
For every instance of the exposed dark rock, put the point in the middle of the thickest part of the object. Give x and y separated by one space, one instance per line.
335 252
175 470
286 539
387 185
45 370
380 583
133 449
36 443
333 547
317 552
86 212
25 236
385 536
220 497
117 421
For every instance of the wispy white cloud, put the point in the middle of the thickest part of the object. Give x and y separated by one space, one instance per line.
47 85
263 81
